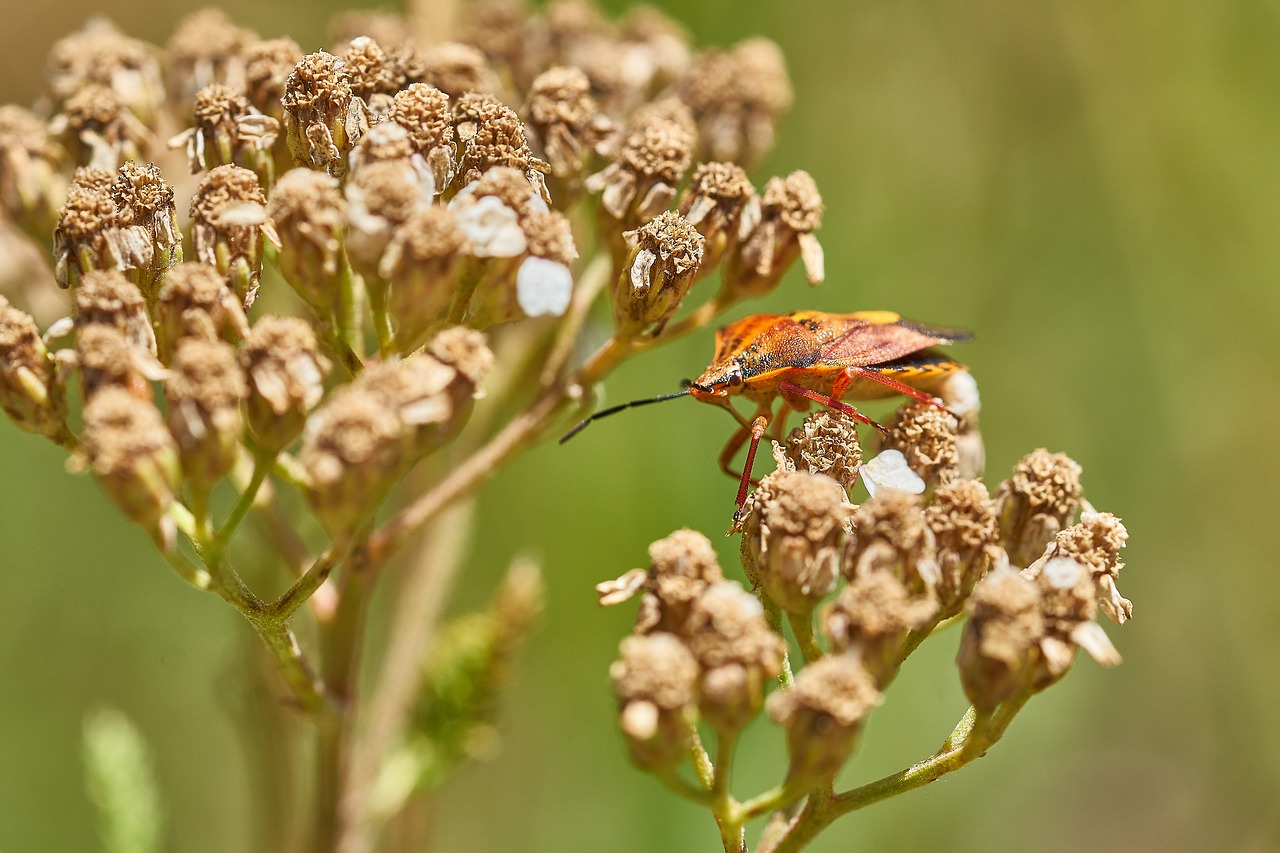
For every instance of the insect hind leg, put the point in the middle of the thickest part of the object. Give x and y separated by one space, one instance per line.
846 378
830 401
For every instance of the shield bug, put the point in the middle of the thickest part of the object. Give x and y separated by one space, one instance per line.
811 357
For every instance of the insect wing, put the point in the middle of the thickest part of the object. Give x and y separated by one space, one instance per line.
863 345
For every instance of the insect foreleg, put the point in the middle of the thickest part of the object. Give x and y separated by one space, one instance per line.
758 427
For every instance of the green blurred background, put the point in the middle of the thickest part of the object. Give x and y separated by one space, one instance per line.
1094 187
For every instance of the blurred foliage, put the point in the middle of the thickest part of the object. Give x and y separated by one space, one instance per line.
1092 187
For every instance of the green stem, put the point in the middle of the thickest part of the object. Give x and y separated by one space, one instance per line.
773 618
725 808
802 627
262 464
381 317
702 766
304 587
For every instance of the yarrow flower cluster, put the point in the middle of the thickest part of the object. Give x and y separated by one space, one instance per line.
1026 569
285 276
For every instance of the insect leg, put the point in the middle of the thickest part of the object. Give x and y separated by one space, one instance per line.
846 378
758 427
789 387
731 448
780 421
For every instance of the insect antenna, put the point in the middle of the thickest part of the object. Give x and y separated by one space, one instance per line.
613 410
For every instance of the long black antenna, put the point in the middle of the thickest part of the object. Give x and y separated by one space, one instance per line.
613 410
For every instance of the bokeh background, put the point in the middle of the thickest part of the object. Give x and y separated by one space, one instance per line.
1094 187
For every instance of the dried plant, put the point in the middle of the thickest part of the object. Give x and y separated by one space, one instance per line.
286 316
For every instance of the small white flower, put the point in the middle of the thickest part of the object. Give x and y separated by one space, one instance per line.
960 393
492 227
543 287
889 470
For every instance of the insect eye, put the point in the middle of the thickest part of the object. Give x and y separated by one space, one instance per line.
735 379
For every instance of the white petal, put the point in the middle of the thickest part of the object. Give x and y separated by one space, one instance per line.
1090 637
543 287
492 227
960 393
1063 572
889 470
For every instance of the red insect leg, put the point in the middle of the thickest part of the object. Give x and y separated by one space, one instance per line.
788 387
844 380
758 427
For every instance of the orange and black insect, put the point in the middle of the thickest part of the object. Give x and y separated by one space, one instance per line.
811 357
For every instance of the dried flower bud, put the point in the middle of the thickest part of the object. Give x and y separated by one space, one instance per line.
490 134
872 617
663 261
823 714
641 182
323 119
99 54
31 186
1095 543
737 652
1001 639
310 217
423 111
738 98
962 517
890 535
567 126
926 436
228 131
196 302
352 450
454 69
422 261
229 224
827 443
98 130
206 48
773 234
1040 499
794 528
204 390
655 680
79 239
285 372
656 48
268 65
31 391
146 240
380 198
133 456
718 195
109 359
374 76
107 297
682 567
497 29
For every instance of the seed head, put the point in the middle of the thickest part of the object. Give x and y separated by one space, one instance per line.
147 240
79 239
773 234
196 302
133 456
738 98
962 517
206 48
1040 499
999 649
323 119
655 679
108 359
423 111
98 130
229 224
380 197
374 76
227 131
285 373
310 216
31 184
682 567
455 69
491 134
567 126
826 443
927 437
204 389
1095 543
662 262
641 182
717 196
99 54
268 65
31 391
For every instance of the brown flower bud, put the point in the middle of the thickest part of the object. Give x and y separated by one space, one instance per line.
567 126
662 262
98 130
196 302
737 652
323 119
206 48
927 438
146 240
310 216
422 262
718 195
655 680
228 131
423 111
826 443
823 714
794 528
772 234
352 450
79 239
133 456
107 297
738 98
109 359
890 535
99 54
641 182
31 390
1039 500
204 389
872 617
285 373
1000 645
229 224
962 517
31 185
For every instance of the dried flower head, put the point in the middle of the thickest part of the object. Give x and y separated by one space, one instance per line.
107 297
268 65
229 225
423 111
285 373
682 567
374 76
823 714
655 679
737 652
663 261
146 240
715 201
31 184
99 54
567 125
98 130
206 48
794 528
79 239
422 261
497 29
381 196
1001 640
872 617
738 98
926 436
323 119
826 443
455 69
228 131
490 134
31 390
310 218
962 517
773 234
1040 499
890 535
108 359
204 390
641 182
1095 543
133 456
196 302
